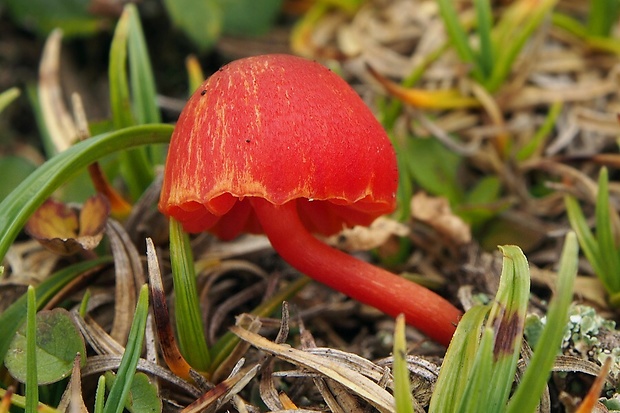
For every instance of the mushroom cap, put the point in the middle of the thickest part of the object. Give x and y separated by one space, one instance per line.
282 128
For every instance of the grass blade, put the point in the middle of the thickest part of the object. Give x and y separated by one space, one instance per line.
8 96
484 23
604 236
587 241
528 393
507 318
137 170
142 81
32 385
189 325
402 384
33 191
458 37
127 368
458 362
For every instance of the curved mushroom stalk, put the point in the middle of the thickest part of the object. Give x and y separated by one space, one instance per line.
364 282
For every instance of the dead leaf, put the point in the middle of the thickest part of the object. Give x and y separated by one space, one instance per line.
361 238
66 230
436 212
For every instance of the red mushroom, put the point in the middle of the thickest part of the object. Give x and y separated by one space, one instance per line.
281 145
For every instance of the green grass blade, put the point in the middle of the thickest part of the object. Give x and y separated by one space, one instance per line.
127 368
142 81
476 395
484 24
8 96
33 191
602 16
32 385
532 384
100 395
402 385
587 241
507 318
604 235
141 73
458 362
137 170
458 37
517 29
535 144
190 330
14 315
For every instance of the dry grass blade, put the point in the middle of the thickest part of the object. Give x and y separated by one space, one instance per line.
167 342
58 120
97 337
128 273
72 401
268 392
343 374
101 364
252 324
334 394
223 390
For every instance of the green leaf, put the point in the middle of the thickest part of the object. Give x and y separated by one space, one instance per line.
100 395
507 319
57 342
478 395
605 236
243 18
29 195
484 24
13 170
188 315
119 392
143 396
434 168
587 241
43 16
15 314
143 88
402 384
135 166
200 20
458 362
459 38
32 385
533 382
8 96
602 16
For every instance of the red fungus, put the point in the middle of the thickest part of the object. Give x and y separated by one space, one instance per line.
281 145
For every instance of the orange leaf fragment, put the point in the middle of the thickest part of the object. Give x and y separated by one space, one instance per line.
67 230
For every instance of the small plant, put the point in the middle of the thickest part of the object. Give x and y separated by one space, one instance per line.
499 45
600 247
487 345
597 29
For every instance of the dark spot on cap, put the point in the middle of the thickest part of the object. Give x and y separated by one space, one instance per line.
204 92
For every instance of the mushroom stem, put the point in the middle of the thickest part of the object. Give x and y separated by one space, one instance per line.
360 280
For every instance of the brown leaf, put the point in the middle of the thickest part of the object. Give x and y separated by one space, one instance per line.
66 230
436 212
361 238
